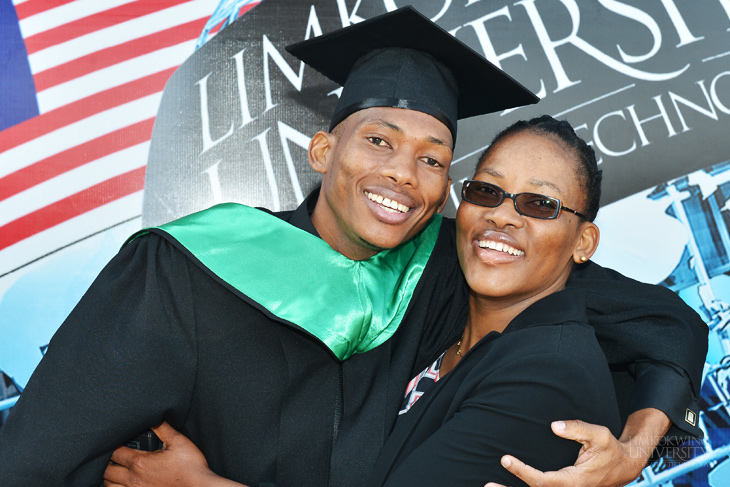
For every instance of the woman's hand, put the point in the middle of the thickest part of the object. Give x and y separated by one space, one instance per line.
178 464
604 461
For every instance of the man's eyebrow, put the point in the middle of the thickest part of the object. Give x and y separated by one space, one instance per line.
437 141
397 128
385 123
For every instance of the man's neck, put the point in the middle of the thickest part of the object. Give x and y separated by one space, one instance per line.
326 224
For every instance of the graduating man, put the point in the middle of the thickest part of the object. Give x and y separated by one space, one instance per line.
281 345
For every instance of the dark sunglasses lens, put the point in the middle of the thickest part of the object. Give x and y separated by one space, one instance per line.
537 205
482 194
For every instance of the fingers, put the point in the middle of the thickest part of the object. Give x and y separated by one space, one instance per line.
582 432
165 432
123 456
597 462
524 472
114 474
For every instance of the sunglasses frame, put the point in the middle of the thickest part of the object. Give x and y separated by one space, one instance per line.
513 197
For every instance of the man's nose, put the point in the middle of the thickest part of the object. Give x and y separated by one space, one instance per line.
401 168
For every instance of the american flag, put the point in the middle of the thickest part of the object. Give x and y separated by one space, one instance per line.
81 84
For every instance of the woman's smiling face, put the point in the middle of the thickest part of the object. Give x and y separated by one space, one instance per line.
515 258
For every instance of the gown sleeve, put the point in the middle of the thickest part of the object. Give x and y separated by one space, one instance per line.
655 345
123 361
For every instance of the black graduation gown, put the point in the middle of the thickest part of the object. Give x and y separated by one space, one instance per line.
158 337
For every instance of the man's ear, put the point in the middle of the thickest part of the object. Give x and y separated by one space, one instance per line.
445 198
320 149
587 243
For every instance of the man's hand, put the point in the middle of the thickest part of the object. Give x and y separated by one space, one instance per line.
178 464
603 460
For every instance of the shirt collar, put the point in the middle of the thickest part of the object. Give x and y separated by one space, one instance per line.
302 216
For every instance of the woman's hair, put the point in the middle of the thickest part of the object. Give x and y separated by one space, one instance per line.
588 173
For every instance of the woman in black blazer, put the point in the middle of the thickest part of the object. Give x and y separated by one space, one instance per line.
528 356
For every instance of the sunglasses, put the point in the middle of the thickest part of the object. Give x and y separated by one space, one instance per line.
529 204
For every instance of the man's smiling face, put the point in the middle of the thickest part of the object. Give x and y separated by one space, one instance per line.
385 173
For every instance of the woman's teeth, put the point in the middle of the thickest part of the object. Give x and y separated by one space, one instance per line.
500 247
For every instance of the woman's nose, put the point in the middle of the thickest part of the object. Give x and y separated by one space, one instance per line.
505 214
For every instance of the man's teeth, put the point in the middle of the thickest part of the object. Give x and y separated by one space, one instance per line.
500 247
387 202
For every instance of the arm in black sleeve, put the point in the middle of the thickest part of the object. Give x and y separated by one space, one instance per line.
510 411
647 331
122 361
664 387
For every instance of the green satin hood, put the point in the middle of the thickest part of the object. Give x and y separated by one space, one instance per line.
351 306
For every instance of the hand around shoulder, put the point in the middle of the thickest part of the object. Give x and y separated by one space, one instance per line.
603 461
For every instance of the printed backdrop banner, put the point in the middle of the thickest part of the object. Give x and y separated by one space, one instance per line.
649 87
119 114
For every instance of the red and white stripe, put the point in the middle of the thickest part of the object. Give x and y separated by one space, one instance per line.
99 68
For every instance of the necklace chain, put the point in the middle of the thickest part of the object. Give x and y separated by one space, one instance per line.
458 346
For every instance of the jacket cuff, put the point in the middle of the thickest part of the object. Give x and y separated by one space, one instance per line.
661 386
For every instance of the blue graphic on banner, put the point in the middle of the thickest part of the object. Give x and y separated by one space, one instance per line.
677 235
17 90
226 12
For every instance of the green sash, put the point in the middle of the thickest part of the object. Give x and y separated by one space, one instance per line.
351 306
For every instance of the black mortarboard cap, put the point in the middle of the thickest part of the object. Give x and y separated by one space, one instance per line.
401 59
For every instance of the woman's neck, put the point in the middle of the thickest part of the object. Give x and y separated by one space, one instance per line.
484 317
488 314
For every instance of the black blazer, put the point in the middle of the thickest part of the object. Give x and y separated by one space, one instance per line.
501 398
